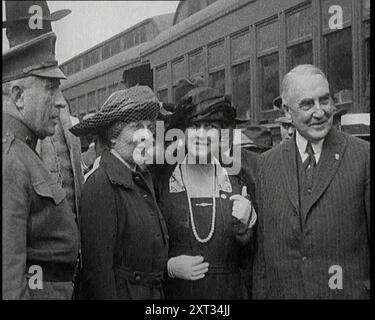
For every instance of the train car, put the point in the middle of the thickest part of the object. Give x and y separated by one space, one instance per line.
245 47
113 64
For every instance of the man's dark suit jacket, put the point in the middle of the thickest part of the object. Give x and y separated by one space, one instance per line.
296 249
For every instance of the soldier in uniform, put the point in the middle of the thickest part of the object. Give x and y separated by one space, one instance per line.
40 235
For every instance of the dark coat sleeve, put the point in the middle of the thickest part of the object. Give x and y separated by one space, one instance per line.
98 232
16 208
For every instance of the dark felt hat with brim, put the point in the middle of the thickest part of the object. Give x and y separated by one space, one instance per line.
34 58
130 105
32 51
203 104
260 135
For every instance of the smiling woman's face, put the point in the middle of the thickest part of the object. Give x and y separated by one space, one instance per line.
311 106
203 141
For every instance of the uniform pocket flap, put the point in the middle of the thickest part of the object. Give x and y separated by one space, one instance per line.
52 191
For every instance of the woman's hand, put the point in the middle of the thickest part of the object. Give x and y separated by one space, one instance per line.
187 267
242 208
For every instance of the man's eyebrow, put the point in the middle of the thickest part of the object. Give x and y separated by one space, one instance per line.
325 96
306 101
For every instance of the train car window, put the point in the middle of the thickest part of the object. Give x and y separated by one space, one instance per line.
217 80
241 89
70 68
240 46
86 61
128 40
195 63
161 77
115 46
137 37
269 80
106 51
82 104
91 101
102 96
216 55
94 57
178 70
163 95
345 5
77 65
299 54
142 33
339 64
112 88
299 24
366 9
73 107
268 36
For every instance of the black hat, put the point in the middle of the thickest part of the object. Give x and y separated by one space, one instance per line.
203 104
260 135
32 52
185 85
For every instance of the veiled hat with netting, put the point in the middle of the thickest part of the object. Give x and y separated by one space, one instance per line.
129 105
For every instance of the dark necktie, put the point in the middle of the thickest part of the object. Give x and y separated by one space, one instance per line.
309 165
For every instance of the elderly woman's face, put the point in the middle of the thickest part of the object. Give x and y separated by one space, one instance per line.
135 142
203 141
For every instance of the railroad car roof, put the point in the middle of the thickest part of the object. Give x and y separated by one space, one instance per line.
191 23
125 59
161 23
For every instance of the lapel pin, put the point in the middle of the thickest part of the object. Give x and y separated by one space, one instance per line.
337 156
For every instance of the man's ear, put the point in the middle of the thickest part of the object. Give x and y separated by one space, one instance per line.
18 95
287 110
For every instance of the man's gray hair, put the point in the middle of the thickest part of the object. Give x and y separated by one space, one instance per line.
300 70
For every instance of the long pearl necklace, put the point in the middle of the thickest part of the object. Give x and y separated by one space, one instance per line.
212 230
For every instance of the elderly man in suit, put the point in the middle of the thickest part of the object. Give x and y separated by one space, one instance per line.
313 237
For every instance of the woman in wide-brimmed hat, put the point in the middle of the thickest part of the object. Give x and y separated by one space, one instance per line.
124 237
209 213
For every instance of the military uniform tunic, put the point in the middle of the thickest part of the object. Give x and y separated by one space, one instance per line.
39 227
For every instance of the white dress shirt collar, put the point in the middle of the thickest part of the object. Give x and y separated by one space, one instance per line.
302 143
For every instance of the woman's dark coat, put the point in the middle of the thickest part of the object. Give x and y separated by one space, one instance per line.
124 237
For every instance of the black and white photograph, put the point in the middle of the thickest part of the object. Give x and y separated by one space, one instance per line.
194 150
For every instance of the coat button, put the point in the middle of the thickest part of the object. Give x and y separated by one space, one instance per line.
145 196
304 258
158 236
309 190
137 277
